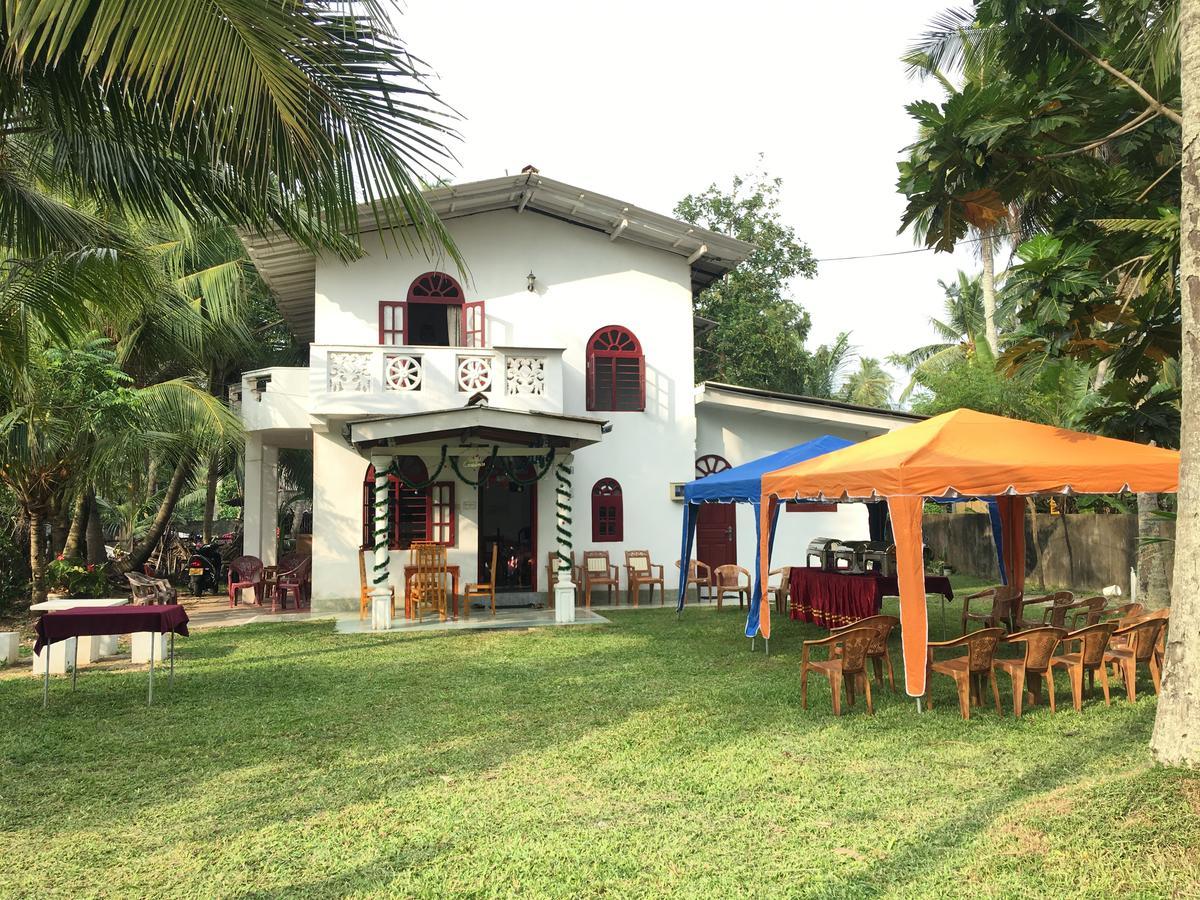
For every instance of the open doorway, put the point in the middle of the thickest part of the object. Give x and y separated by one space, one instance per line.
508 520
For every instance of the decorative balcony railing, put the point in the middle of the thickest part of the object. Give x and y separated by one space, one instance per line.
350 379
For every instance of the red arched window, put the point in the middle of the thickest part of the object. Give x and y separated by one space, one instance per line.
435 313
608 517
414 514
616 371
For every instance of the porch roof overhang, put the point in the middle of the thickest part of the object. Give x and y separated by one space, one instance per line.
480 424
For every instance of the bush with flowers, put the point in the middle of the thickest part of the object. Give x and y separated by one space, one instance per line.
75 578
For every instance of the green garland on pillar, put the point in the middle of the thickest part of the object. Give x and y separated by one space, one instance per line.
381 529
562 504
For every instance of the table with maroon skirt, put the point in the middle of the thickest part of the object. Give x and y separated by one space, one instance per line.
837 599
79 621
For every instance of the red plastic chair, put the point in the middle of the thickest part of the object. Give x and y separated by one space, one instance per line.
245 572
293 577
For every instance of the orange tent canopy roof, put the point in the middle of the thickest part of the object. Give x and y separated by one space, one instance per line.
974 453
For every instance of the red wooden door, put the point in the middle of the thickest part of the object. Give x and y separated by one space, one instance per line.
716 525
716 534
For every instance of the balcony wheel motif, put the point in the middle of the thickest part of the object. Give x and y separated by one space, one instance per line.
526 375
474 374
350 372
402 373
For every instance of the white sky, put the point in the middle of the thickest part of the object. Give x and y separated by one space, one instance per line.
648 101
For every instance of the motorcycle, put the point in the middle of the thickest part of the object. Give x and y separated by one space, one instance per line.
204 569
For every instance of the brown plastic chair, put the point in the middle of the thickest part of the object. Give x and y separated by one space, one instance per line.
1040 644
293 576
732 579
1090 610
1040 604
1093 642
1125 611
1139 644
1056 615
847 663
245 572
364 586
968 671
879 652
640 571
700 575
485 589
597 570
1002 598
782 592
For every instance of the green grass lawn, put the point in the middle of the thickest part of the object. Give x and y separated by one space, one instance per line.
648 757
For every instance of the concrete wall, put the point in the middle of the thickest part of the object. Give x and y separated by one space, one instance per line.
1103 548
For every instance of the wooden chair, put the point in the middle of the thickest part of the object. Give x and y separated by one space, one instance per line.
968 671
427 587
552 575
782 592
1002 597
732 579
700 575
365 586
878 654
639 571
847 663
293 576
1040 644
1089 610
245 572
597 570
1093 644
1138 644
485 589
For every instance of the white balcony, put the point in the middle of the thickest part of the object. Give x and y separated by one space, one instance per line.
273 399
348 380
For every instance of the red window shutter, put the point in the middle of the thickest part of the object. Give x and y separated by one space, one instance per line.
608 520
474 325
393 315
442 517
591 381
616 371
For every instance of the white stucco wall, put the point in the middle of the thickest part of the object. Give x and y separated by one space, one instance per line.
584 282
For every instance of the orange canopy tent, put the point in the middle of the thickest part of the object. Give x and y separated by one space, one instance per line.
970 454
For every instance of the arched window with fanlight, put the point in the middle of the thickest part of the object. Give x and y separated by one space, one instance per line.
434 313
424 512
616 371
608 515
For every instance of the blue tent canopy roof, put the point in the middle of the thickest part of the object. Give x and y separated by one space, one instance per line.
744 483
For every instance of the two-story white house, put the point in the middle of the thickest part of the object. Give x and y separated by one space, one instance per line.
547 394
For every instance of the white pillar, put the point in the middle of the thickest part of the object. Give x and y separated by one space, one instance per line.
564 590
260 512
381 597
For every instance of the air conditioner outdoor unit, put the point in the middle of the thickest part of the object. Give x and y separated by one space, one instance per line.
676 489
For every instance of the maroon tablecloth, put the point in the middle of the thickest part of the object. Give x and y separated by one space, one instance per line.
835 599
78 621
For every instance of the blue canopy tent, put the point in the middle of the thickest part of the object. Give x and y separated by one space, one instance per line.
743 484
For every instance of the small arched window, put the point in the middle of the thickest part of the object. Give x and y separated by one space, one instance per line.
616 371
414 513
435 312
608 517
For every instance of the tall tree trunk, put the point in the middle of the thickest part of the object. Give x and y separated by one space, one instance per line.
1176 738
60 523
987 249
96 554
73 547
142 549
37 555
210 497
1151 557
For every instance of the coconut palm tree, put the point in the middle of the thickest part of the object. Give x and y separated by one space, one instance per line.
868 385
958 331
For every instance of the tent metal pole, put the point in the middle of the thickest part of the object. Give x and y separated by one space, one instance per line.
751 645
919 709
767 642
